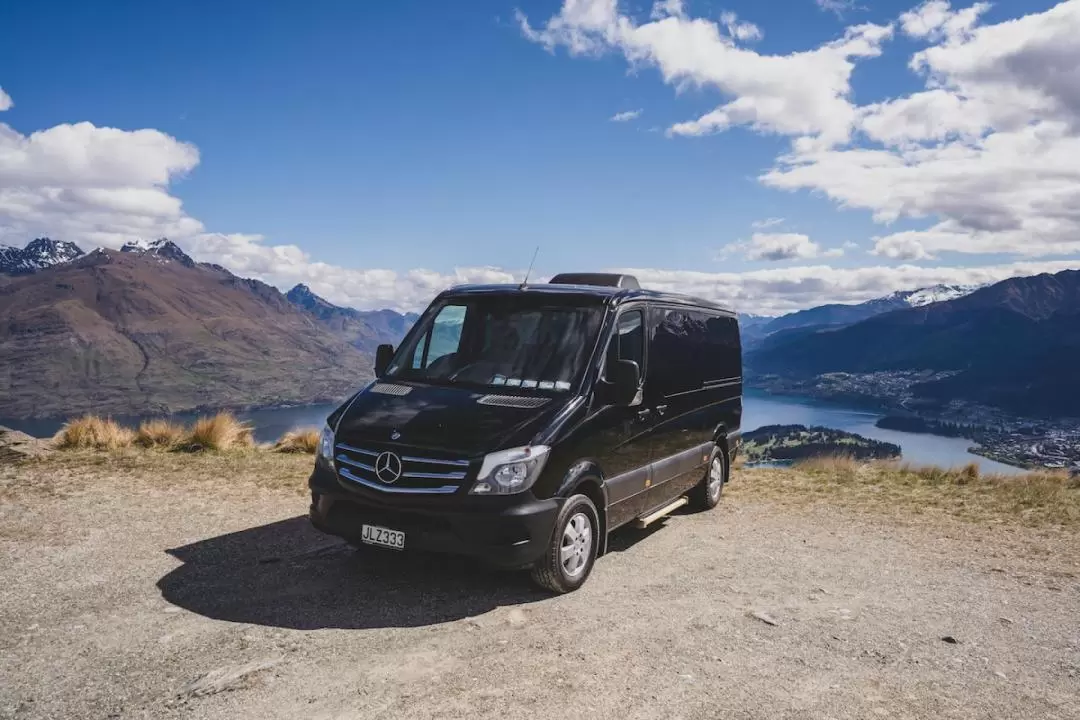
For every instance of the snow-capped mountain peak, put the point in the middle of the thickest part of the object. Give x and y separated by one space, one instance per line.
936 293
162 248
38 254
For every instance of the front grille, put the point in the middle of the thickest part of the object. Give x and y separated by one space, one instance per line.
390 389
517 401
416 474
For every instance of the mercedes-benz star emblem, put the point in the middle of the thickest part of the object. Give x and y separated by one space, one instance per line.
388 467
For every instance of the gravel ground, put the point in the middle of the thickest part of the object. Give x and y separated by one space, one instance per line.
122 600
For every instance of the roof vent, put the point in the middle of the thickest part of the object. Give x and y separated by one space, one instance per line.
605 279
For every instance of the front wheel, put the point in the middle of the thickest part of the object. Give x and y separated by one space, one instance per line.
707 493
572 551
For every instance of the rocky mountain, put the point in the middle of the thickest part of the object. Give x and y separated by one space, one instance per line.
365 330
37 255
163 249
148 330
1014 345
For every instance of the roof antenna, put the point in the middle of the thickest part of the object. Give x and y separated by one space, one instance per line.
529 271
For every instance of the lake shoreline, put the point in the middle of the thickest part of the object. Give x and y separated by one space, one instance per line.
767 407
760 408
1001 437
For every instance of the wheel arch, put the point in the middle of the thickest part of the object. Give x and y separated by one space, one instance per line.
720 437
587 478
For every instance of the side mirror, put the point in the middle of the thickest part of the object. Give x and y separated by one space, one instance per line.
624 381
383 355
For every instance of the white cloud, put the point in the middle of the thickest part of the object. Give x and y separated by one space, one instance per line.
626 116
746 31
802 93
6 103
989 153
935 19
664 8
838 7
776 246
286 265
96 186
767 223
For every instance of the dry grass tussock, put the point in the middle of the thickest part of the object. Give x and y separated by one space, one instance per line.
219 432
160 434
1035 498
298 441
216 432
91 432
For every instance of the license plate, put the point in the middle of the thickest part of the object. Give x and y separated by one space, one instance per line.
375 535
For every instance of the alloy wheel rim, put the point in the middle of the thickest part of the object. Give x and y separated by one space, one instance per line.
716 476
576 546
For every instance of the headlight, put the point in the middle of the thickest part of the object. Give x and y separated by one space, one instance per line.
326 446
510 471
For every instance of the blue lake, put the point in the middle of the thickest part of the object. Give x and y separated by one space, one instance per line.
759 408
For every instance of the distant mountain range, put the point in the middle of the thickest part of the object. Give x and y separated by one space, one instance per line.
1013 345
364 330
149 330
759 329
836 314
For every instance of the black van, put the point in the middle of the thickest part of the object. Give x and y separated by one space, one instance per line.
522 424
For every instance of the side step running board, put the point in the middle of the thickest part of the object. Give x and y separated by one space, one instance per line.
646 520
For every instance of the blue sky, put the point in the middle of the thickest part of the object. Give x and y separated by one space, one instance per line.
437 136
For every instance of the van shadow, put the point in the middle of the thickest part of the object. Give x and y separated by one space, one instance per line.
627 537
287 574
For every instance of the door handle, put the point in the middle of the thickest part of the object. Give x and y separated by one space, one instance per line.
661 409
644 414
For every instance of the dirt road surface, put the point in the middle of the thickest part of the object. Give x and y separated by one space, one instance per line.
129 599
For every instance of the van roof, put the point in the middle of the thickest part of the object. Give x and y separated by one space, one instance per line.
613 295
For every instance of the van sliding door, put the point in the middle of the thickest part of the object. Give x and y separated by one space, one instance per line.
682 358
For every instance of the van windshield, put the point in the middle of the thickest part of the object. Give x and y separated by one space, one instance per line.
518 342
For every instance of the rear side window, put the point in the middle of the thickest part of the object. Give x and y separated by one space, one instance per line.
691 349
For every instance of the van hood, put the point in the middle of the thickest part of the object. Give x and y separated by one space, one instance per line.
446 419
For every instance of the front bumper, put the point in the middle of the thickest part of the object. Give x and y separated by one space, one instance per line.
508 536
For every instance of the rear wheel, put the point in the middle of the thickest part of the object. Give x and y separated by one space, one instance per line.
706 494
572 550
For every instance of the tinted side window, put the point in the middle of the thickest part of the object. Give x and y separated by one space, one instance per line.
724 347
691 348
628 342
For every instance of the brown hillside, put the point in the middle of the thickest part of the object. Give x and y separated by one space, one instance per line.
131 333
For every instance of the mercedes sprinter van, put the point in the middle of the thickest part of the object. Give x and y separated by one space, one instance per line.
521 424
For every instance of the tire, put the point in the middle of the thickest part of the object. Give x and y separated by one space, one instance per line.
551 572
706 496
